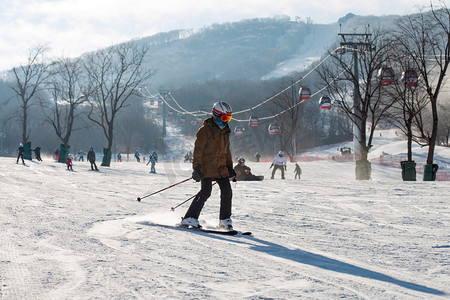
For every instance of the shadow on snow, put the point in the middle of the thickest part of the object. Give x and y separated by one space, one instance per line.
312 259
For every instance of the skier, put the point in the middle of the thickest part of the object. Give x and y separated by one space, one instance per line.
91 159
119 157
20 152
280 163
37 152
186 157
57 154
81 155
257 156
212 162
155 156
297 171
152 161
69 162
137 156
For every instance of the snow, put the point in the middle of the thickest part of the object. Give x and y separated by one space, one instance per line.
83 235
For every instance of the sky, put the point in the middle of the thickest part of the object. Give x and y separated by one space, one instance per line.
71 27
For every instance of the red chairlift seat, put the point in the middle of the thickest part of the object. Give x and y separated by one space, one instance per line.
325 102
193 122
182 120
273 129
254 121
410 78
386 76
304 94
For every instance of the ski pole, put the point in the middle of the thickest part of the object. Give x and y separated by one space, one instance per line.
173 208
140 198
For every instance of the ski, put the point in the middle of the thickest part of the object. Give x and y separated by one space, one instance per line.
223 232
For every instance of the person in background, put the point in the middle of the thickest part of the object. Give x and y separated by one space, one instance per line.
257 156
20 152
212 162
91 159
137 156
279 162
243 172
152 161
37 153
81 155
69 162
297 171
155 155
119 157
57 154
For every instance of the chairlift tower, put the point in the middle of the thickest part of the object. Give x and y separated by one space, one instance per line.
164 94
356 42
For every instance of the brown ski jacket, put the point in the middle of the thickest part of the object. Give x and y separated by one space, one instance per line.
212 150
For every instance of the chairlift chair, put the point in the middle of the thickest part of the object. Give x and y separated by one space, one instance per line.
238 131
325 102
386 75
273 129
254 121
304 94
410 78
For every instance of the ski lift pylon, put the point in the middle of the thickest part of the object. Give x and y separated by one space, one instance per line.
325 102
304 94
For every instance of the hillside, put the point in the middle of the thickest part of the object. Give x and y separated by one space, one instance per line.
250 49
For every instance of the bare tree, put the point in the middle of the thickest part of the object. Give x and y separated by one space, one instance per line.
28 81
425 39
360 95
287 105
116 73
69 89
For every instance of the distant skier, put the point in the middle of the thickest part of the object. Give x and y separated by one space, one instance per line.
297 171
20 152
137 156
119 157
152 161
37 153
81 155
91 158
257 156
57 154
69 162
212 162
155 156
279 162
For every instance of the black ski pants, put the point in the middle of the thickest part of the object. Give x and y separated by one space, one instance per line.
205 192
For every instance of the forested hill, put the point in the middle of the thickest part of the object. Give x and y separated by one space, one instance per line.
250 49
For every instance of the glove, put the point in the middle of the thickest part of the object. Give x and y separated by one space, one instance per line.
197 173
271 166
231 172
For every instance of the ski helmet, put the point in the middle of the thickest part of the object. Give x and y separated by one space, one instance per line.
281 153
241 160
222 110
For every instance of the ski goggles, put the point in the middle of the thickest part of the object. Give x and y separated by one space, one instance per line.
225 118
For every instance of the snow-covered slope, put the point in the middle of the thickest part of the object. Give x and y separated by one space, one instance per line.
83 235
